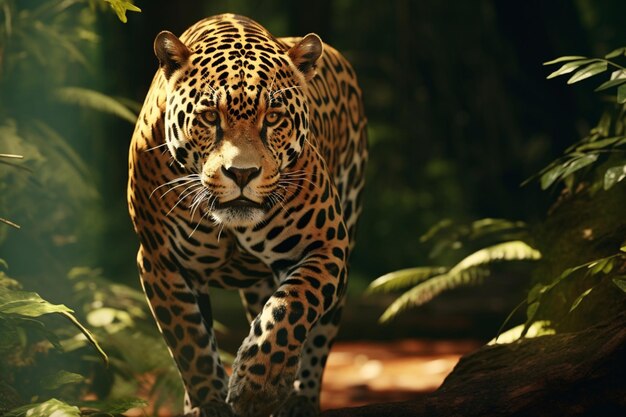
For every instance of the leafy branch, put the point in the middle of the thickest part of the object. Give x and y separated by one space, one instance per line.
606 142
588 67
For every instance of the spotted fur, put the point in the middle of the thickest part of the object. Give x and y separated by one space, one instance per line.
246 170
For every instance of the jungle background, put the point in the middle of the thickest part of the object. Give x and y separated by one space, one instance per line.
460 115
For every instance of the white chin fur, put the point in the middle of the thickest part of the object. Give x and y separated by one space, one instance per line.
236 217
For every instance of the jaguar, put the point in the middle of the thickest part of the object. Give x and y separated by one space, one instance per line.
246 169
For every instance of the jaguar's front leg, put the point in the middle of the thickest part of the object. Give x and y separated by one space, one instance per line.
184 318
267 362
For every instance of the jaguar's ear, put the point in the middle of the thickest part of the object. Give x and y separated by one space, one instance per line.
172 53
305 54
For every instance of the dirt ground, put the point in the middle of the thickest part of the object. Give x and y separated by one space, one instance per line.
361 372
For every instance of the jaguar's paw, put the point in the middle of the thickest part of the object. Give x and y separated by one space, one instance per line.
258 397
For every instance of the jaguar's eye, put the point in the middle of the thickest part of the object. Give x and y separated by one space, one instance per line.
209 117
272 118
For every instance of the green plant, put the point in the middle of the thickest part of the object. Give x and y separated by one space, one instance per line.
606 143
46 366
28 340
471 269
46 53
591 171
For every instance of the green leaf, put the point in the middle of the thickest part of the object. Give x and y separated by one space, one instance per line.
440 226
514 250
531 311
404 278
569 67
588 71
610 83
615 53
621 94
121 6
502 229
563 59
599 144
567 168
95 100
604 124
59 379
599 266
535 292
50 408
614 175
30 304
549 177
220 327
538 328
620 282
579 299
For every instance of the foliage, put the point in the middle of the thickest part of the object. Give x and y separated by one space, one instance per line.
590 170
121 6
428 282
46 368
47 49
120 317
594 269
606 143
593 165
16 305
32 350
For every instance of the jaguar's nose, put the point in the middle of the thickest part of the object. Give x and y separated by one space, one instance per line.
241 176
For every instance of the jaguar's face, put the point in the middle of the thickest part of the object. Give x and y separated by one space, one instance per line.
235 123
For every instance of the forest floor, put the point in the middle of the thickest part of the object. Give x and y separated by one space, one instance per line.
363 372
368 372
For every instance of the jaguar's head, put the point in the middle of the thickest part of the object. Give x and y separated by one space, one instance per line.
236 115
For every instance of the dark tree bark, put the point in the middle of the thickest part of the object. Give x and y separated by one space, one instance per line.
570 374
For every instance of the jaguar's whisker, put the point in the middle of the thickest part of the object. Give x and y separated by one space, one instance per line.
190 177
155 147
182 196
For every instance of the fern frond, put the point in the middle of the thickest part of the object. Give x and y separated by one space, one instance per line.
404 278
471 270
426 291
94 100
507 251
